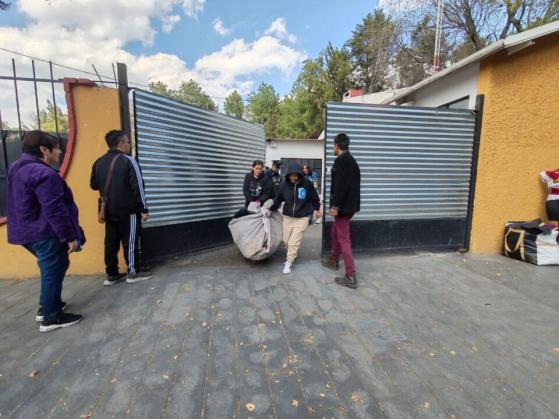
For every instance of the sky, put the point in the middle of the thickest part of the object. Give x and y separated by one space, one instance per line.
223 45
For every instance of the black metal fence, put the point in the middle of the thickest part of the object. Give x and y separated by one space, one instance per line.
50 119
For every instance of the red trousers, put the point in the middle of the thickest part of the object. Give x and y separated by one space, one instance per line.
341 242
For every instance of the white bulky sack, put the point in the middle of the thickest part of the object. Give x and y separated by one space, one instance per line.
258 235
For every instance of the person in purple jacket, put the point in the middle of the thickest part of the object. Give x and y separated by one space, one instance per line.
43 218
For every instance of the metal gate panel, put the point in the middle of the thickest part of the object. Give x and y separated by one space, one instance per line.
415 162
193 161
416 166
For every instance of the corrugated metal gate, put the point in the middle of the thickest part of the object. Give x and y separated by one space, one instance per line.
193 162
416 166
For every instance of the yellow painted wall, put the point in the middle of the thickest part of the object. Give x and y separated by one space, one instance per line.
97 112
520 138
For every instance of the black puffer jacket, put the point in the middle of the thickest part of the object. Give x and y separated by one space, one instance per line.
345 192
300 199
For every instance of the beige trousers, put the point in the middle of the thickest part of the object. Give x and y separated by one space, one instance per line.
293 231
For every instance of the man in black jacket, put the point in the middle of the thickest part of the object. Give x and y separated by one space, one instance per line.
345 200
299 198
126 207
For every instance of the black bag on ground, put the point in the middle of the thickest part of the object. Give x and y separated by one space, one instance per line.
531 241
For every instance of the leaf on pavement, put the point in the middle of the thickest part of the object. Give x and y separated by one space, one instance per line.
250 407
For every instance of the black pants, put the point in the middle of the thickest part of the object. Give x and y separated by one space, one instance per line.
552 208
125 230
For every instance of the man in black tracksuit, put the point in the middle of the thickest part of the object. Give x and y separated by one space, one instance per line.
126 207
299 198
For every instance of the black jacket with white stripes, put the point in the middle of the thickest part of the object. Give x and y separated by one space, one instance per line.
126 193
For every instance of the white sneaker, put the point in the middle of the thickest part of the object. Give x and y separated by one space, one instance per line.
287 268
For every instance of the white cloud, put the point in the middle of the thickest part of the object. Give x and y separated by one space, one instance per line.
239 57
398 7
193 8
169 22
220 29
278 28
79 33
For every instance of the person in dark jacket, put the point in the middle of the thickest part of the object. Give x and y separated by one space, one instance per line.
257 187
345 200
275 175
299 198
126 207
43 218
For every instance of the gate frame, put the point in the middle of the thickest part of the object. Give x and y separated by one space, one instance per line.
480 101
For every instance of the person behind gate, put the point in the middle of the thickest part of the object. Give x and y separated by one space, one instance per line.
117 177
43 218
300 198
345 200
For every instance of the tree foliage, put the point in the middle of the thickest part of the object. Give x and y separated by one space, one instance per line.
188 92
234 105
263 106
372 45
474 24
413 59
191 92
48 120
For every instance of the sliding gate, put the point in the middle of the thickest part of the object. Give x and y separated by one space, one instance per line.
416 174
193 162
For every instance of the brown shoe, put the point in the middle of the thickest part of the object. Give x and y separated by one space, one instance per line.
349 281
330 263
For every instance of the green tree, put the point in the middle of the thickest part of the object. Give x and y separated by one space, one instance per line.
161 89
291 123
192 93
188 92
372 46
338 71
234 105
325 78
47 119
312 91
263 108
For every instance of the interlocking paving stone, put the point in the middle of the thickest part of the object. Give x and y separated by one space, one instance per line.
426 335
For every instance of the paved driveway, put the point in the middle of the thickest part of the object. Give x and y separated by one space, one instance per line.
425 335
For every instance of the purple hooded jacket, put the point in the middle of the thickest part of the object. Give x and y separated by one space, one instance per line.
40 204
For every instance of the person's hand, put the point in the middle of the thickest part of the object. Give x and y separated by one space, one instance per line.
333 212
317 214
145 217
266 212
73 246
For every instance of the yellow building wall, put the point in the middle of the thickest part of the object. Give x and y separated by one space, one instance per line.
97 112
520 138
